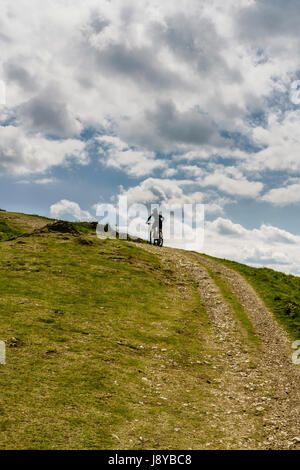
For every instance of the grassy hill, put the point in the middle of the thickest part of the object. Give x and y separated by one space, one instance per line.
106 347
14 224
87 322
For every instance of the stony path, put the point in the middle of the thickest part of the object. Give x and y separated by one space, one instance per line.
257 400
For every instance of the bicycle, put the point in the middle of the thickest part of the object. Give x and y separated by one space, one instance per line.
155 236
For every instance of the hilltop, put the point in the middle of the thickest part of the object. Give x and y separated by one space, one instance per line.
118 345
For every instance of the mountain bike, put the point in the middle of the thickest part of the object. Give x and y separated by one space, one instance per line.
155 236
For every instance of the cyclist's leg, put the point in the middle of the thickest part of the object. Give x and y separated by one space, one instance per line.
155 231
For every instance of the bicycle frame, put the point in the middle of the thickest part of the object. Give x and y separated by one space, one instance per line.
155 236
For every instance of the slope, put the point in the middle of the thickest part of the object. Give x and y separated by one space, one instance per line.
106 347
119 345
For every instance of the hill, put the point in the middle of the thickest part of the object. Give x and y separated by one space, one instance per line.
14 224
116 345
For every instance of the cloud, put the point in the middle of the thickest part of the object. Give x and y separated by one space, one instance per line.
233 186
266 246
119 43
105 65
117 154
195 41
14 72
174 193
42 181
280 144
154 190
113 65
45 181
166 128
226 227
269 19
141 65
22 154
283 196
169 172
229 180
192 170
47 113
69 210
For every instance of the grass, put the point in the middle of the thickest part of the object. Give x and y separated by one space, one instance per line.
13 224
106 347
102 348
84 227
280 293
8 231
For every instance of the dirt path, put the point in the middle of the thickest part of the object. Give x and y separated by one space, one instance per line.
256 400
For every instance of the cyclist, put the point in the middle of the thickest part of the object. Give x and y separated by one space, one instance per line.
157 223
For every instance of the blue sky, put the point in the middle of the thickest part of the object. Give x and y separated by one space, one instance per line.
161 102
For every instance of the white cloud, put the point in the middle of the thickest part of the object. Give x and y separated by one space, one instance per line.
42 181
229 180
283 196
266 246
21 153
169 172
47 113
154 190
174 193
281 143
45 181
239 187
69 66
70 210
134 162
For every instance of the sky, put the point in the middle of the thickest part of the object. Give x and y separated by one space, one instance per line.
163 102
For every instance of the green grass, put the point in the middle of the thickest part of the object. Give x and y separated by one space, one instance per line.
13 224
280 292
84 227
8 231
106 350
